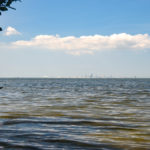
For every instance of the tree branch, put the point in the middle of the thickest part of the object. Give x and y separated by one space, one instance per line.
5 5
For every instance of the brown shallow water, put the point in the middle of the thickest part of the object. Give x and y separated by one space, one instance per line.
95 114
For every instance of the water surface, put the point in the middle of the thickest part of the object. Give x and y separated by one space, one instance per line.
94 114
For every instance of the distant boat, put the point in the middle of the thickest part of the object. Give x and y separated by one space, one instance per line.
1 87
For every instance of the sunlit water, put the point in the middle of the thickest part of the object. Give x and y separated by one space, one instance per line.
71 114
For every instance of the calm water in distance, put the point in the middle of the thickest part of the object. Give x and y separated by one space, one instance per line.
75 114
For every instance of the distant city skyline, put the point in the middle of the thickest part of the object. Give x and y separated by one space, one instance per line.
74 38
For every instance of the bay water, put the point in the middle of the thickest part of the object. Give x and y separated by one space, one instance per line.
74 114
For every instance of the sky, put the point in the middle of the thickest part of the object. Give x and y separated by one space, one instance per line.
76 38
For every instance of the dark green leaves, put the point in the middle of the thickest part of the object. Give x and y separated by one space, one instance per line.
3 8
4 5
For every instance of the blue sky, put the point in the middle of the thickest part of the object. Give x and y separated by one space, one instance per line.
76 38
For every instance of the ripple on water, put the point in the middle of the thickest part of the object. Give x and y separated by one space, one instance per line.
105 114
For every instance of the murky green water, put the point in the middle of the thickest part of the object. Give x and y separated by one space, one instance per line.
95 114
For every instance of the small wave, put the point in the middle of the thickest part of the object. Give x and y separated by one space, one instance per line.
6 145
84 145
80 123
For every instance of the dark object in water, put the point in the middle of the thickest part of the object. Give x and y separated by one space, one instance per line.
1 87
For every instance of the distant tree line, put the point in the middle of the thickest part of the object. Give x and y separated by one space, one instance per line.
5 5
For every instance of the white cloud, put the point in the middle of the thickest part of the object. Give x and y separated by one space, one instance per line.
11 31
85 44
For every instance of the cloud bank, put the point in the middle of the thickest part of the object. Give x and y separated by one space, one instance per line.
11 31
85 44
